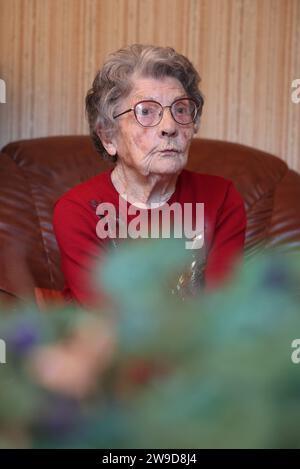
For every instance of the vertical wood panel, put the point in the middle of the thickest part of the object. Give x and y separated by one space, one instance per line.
247 52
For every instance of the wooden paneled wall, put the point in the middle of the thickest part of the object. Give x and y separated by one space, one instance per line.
247 52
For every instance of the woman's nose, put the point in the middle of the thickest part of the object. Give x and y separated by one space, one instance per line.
167 125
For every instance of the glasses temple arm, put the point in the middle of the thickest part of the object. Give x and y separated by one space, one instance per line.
121 113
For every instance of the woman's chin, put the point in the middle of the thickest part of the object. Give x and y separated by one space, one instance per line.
168 165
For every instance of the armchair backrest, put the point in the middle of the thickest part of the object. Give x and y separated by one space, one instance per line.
35 173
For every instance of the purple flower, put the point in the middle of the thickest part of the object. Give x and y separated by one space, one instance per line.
22 338
58 417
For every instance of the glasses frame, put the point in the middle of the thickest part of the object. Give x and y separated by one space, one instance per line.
197 108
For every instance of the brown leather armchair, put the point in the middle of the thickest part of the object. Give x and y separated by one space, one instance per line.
35 173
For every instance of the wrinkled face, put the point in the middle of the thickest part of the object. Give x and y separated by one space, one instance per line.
162 149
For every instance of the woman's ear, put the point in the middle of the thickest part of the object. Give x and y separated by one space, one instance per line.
108 142
196 126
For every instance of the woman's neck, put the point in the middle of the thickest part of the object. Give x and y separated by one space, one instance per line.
153 189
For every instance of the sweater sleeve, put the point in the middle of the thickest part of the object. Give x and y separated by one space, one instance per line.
228 239
81 251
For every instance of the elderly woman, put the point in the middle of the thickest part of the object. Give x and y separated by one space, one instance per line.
143 109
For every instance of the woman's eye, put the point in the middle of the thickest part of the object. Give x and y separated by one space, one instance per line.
181 110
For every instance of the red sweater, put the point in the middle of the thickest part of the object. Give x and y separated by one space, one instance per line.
75 223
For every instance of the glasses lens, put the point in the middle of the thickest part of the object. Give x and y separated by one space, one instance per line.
148 113
184 111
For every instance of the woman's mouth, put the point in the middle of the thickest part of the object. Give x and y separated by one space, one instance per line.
169 151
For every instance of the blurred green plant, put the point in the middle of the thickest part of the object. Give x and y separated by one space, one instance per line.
156 370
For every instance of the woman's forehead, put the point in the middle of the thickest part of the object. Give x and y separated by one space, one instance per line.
156 89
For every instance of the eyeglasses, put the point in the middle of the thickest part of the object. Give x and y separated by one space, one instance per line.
149 113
